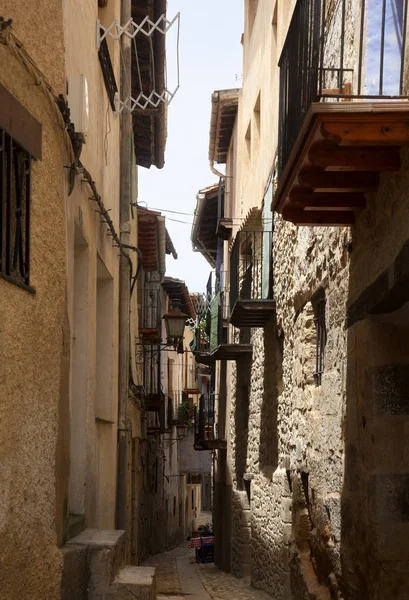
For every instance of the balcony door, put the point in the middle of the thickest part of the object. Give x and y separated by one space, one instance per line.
383 47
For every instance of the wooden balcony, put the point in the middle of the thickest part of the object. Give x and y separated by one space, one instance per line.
207 433
204 444
252 313
343 115
338 157
251 289
224 352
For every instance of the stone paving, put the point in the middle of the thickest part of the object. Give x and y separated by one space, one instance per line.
224 586
175 572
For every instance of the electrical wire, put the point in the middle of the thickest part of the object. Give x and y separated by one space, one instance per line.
178 212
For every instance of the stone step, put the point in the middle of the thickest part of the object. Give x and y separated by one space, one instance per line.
92 560
134 582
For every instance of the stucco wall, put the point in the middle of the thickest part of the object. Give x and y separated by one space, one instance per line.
94 408
35 338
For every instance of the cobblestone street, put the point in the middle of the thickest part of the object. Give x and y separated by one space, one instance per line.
180 578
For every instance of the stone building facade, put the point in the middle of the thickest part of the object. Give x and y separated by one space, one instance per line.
310 476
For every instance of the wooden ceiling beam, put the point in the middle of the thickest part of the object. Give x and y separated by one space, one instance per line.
354 158
321 218
364 133
327 201
331 181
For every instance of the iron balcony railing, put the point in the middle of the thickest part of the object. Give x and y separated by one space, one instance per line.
251 266
206 422
150 316
150 356
213 313
339 51
182 408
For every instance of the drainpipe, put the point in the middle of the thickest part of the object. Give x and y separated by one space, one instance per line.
122 521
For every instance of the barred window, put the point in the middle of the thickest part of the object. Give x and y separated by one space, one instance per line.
318 303
15 179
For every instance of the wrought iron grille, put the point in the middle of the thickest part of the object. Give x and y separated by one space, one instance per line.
251 266
206 426
15 189
107 71
214 310
321 338
151 369
182 408
339 51
151 308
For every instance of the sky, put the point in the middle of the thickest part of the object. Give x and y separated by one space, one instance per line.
210 59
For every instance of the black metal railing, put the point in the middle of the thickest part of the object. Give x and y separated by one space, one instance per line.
107 71
150 355
321 337
182 408
206 424
251 266
15 191
213 314
338 51
150 316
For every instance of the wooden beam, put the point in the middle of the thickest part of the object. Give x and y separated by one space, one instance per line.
354 158
331 181
374 133
319 218
327 201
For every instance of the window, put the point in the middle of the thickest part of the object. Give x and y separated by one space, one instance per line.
256 126
16 123
15 180
248 141
251 14
318 303
107 71
104 346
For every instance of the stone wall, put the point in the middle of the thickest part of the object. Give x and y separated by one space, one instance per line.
319 473
294 428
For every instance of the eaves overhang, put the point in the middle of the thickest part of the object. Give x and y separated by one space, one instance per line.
177 290
203 236
148 73
225 105
154 240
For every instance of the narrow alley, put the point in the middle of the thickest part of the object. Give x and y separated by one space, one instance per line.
204 300
179 577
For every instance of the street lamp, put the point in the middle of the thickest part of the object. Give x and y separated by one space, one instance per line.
175 321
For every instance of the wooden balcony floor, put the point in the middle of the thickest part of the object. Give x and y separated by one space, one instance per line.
338 157
252 313
210 445
224 352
